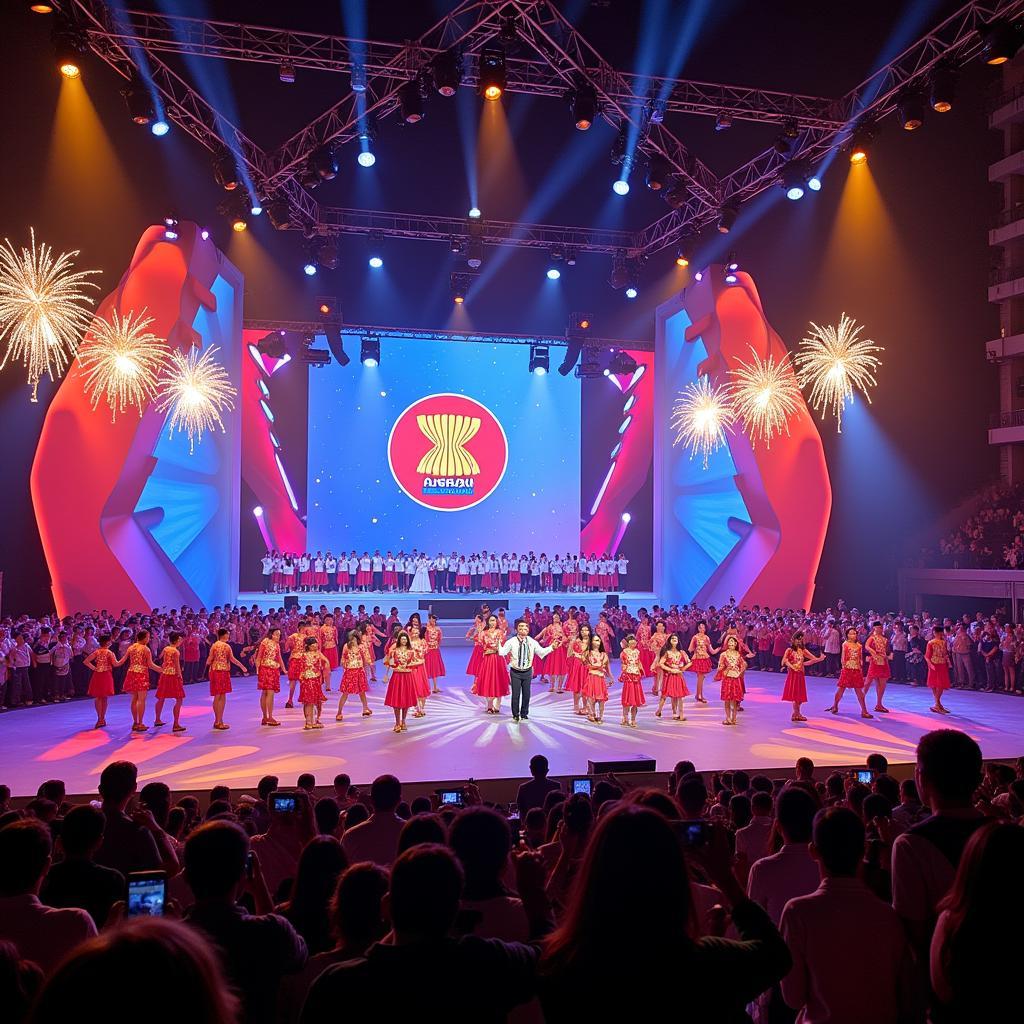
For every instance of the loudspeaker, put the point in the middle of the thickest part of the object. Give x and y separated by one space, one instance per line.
291 601
611 600
636 763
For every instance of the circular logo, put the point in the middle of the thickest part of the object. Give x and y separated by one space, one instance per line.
447 452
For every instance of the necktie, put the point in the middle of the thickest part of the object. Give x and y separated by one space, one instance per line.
522 653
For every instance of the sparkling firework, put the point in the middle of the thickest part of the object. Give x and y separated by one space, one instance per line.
836 361
196 390
122 362
764 394
43 309
700 417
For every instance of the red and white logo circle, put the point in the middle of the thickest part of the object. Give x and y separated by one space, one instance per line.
447 452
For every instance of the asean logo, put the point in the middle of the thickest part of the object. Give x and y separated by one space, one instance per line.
447 452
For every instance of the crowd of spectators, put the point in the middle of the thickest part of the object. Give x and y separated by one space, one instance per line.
819 897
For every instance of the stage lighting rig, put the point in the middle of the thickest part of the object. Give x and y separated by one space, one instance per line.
358 78
139 101
582 100
727 218
590 366
685 250
459 283
859 143
731 268
279 213
621 157
659 172
943 88
447 72
493 74
369 351
621 274
225 169
327 252
366 157
723 122
1000 41
676 194
171 228
655 109
793 179
323 162
910 110
69 43
315 357
272 345
327 307
620 363
332 329
540 360
575 335
286 72
411 98
375 245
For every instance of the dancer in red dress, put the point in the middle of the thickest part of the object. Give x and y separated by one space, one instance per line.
401 693
701 651
794 660
643 643
136 680
876 648
936 656
851 673
492 680
435 663
328 637
370 635
599 675
293 648
171 685
419 673
101 684
353 677
219 662
473 665
658 640
554 667
672 663
269 668
314 668
632 679
731 667
577 654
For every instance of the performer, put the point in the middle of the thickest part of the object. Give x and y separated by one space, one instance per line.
311 676
599 674
293 648
577 653
643 642
370 634
139 659
435 663
101 684
794 661
473 665
730 667
671 665
353 678
328 637
521 649
219 662
171 685
701 651
269 667
554 666
492 678
876 647
851 676
632 679
936 656
419 672
658 640
401 693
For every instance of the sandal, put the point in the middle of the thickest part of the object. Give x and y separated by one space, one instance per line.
866 714
367 713
159 723
270 721
798 718
339 717
178 728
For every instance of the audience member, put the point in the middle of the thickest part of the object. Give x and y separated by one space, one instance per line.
320 865
135 843
281 845
376 839
533 793
20 980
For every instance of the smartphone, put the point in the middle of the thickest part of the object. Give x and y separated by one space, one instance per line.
283 802
147 892
451 797
249 859
693 834
582 786
865 776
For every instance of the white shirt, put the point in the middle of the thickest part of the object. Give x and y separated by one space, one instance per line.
331 564
43 934
378 563
623 565
523 650
304 563
775 880
752 839
268 565
318 565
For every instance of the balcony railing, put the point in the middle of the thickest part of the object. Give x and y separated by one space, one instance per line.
999 275
1000 99
1004 217
998 420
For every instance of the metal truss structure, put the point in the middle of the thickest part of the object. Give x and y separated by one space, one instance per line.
560 59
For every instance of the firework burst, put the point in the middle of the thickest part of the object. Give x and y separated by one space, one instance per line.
195 389
835 361
122 362
43 309
764 394
701 415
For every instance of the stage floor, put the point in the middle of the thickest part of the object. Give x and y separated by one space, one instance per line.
457 741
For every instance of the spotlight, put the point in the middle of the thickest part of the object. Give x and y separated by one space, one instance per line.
366 157
621 363
171 229
459 284
726 218
699 276
632 292
68 47
554 273
279 213
575 335
256 208
286 72
447 69
160 127
323 162
140 104
730 269
620 275
814 183
258 511
580 322
723 121
684 253
1000 42
358 78
204 234
626 517
474 212
583 104
455 244
369 351
309 268
943 88
239 224
41 8
860 142
224 170
327 307
620 187
540 360
410 99
327 252
336 345
376 262
475 253
793 180
493 76
910 111
659 171
676 194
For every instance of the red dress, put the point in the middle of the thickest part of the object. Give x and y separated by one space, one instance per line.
353 679
877 648
555 663
595 685
268 665
401 692
220 668
700 647
730 668
473 666
632 678
658 640
294 656
329 644
170 686
311 678
795 687
419 672
672 684
137 677
852 673
492 678
935 654
643 643
577 667
435 663
102 682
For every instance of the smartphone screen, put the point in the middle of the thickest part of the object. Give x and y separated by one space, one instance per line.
581 786
283 803
451 797
147 891
866 777
693 834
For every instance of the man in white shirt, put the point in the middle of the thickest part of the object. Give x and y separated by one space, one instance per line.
378 572
523 649
621 567
267 568
376 839
752 839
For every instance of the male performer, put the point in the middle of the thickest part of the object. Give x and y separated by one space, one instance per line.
523 649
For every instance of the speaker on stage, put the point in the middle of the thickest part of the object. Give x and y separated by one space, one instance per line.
291 601
611 600
636 763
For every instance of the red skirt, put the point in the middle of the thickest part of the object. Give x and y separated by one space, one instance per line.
420 681
343 579
632 689
353 680
795 688
401 692
364 578
294 667
938 676
331 654
646 662
674 685
311 692
545 580
461 579
220 682
288 580
575 679
852 678
136 680
492 679
101 684
434 665
878 671
306 578
514 577
170 687
732 688
320 579
702 666
595 687
268 677
390 578
555 663
473 667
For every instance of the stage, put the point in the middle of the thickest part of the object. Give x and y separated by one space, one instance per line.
457 741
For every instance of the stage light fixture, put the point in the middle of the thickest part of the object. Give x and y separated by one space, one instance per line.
323 162
910 110
139 101
632 292
474 212
620 187
358 78
447 71
366 157
659 172
41 8
684 252
160 127
239 223
943 88
224 169
554 273
369 351
626 517
279 213
699 276
793 180
204 234
493 75
327 307
540 360
583 104
458 284
620 273
309 268
860 142
726 218
621 364
723 121
410 99
68 44
676 194
327 252
475 253
1000 41
580 321
256 207
171 229
814 183
272 345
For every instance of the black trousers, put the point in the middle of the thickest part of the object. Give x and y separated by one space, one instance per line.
521 678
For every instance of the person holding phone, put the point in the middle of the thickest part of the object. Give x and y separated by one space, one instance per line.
521 649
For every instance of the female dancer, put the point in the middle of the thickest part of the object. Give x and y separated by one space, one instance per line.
139 659
658 640
936 656
577 674
401 693
219 662
171 686
329 645
101 684
632 679
730 668
671 665
311 676
370 636
473 665
701 650
876 647
643 643
851 675
353 677
293 648
419 673
492 680
555 667
435 663
595 686
269 667
794 661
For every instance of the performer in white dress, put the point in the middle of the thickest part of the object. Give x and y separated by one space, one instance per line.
421 581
